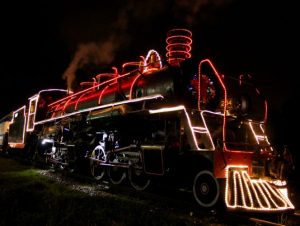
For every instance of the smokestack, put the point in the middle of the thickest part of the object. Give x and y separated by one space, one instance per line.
179 46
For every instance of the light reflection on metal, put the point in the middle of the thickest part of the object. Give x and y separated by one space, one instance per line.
242 192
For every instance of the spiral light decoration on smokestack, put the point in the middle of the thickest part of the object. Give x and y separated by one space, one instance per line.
179 45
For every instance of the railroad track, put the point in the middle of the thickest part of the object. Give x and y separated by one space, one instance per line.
164 199
181 202
285 219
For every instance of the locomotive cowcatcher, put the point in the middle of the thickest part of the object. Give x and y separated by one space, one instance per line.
178 119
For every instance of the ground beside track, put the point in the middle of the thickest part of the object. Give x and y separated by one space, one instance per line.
35 196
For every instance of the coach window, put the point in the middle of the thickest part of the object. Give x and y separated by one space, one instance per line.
31 114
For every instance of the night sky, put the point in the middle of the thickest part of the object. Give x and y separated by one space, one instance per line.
42 42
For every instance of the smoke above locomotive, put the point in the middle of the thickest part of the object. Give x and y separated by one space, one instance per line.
173 118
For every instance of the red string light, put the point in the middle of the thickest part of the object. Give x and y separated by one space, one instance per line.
179 47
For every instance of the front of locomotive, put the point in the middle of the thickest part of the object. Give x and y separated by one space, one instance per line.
227 117
234 120
246 159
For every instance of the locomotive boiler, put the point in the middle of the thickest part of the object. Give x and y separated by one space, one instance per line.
173 118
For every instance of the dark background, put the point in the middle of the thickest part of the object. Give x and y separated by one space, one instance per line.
42 42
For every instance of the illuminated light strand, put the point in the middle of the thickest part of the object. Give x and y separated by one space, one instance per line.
110 75
279 200
23 108
151 97
148 67
36 98
134 63
93 83
279 182
90 88
267 191
78 99
85 97
178 108
285 200
266 137
179 43
194 129
101 94
67 102
32 114
114 87
114 78
262 186
258 137
257 185
244 182
225 94
247 188
49 90
205 125
228 188
199 129
235 189
241 187
133 84
266 111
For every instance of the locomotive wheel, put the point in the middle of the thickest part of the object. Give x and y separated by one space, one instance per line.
97 171
138 179
206 189
116 174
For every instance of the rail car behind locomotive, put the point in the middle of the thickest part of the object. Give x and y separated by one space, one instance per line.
178 119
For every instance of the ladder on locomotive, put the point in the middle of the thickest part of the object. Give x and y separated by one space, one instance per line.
201 132
259 133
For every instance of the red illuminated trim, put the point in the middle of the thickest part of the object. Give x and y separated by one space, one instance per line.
179 43
110 75
90 88
134 63
132 85
92 84
101 94
65 105
102 106
225 93
266 112
77 101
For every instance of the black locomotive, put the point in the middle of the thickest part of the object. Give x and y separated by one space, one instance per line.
177 119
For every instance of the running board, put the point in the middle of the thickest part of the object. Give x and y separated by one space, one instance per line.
245 193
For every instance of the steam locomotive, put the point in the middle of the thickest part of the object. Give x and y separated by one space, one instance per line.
177 119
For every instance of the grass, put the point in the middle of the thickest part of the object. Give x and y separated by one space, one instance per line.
28 198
